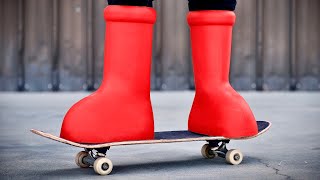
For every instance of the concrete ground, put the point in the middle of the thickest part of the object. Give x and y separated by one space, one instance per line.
289 150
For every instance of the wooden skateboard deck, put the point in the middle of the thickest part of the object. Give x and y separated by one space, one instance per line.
95 154
160 137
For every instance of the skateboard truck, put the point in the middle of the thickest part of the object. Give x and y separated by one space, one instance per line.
218 148
103 166
96 158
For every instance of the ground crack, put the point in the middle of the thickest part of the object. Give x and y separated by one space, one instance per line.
277 171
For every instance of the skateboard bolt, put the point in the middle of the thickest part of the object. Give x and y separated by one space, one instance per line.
236 157
105 166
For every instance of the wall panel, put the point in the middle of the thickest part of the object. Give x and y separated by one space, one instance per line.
174 45
72 60
156 49
308 44
50 45
98 39
276 33
37 58
242 71
8 45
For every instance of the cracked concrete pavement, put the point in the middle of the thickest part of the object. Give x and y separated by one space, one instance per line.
289 150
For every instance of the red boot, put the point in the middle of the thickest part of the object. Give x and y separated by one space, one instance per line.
120 109
217 110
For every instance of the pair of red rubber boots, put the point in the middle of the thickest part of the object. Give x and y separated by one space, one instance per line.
120 110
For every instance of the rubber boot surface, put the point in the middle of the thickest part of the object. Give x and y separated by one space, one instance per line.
217 110
120 109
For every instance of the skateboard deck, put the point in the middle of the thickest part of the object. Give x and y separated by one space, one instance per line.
160 137
94 155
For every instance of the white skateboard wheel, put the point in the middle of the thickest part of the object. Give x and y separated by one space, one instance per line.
103 166
79 159
207 152
234 156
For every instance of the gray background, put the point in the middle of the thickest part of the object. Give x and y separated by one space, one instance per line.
48 45
58 45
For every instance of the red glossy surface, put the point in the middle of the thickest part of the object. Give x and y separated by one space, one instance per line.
217 110
120 109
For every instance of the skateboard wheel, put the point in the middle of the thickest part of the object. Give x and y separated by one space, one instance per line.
234 156
207 152
102 166
79 159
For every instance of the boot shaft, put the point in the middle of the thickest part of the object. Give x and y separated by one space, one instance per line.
211 35
128 47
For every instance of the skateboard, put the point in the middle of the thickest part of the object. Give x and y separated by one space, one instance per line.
94 155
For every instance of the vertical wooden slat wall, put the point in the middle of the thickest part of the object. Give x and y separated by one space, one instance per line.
174 45
308 44
98 39
9 54
37 45
156 50
276 31
50 45
72 66
242 70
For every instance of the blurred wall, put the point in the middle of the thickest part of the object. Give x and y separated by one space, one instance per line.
50 45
